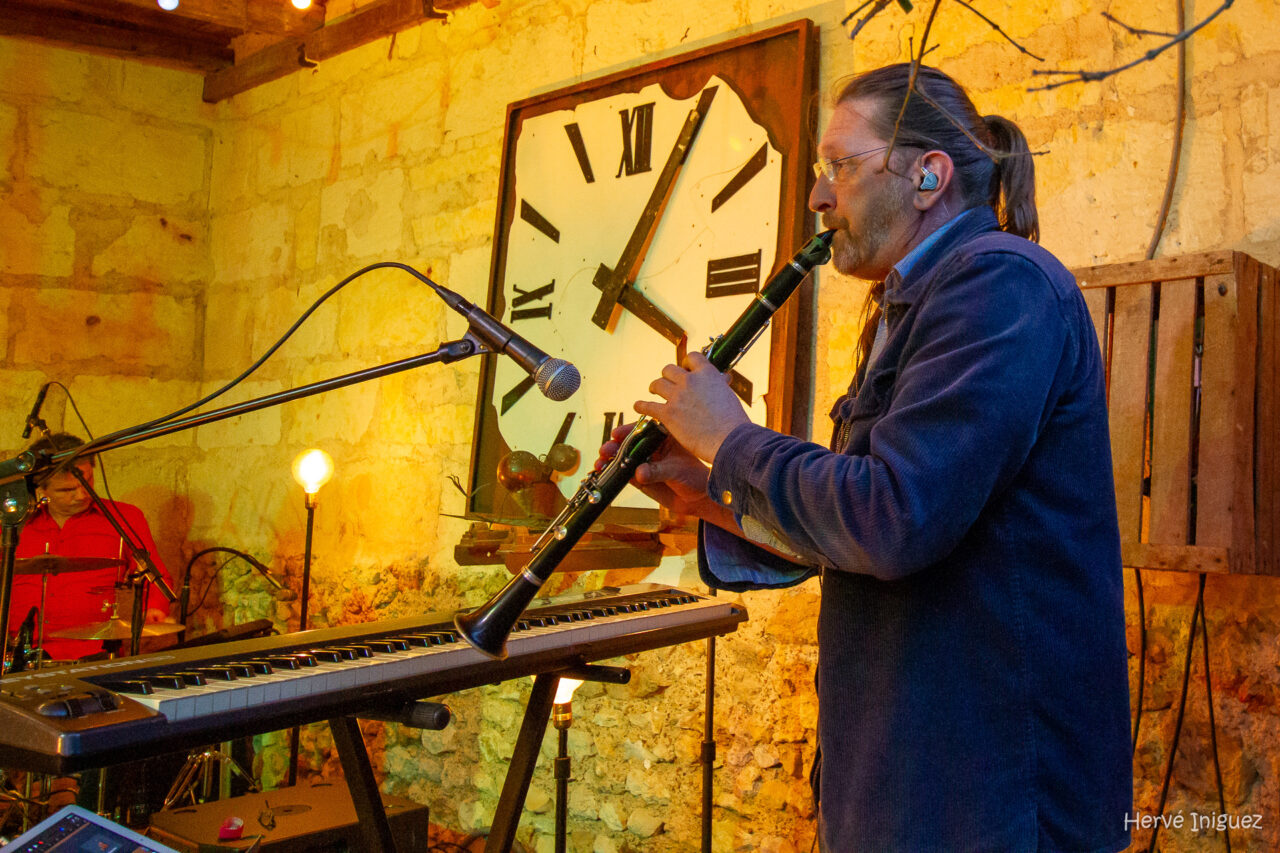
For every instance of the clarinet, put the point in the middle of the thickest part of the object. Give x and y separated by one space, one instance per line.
488 627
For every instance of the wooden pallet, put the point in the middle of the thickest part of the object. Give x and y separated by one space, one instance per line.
1189 345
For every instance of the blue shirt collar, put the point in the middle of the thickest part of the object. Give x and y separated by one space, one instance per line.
903 267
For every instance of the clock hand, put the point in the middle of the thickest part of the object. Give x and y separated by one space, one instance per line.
655 318
613 281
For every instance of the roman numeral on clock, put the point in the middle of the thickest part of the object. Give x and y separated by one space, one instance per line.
748 171
513 396
637 140
580 151
524 297
733 276
609 424
530 214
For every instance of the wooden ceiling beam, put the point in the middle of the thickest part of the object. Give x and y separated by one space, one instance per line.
369 23
277 17
195 51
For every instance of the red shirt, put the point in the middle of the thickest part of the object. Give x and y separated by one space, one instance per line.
73 599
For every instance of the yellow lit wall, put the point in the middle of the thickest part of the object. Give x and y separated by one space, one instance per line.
151 246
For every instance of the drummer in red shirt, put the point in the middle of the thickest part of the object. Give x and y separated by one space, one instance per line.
67 524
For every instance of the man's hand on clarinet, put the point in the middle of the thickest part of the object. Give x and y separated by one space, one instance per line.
673 476
700 410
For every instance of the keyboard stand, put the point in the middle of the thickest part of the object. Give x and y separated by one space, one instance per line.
506 817
375 831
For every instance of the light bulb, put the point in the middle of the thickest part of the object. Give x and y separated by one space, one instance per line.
312 469
564 690
167 5
302 4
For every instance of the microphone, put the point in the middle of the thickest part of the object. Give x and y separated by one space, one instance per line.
272 579
555 377
33 419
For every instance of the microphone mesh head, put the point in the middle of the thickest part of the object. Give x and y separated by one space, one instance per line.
557 379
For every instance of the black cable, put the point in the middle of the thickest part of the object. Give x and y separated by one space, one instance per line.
1213 726
1142 656
87 448
1182 706
208 586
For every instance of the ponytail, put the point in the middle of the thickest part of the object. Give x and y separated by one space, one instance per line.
1012 193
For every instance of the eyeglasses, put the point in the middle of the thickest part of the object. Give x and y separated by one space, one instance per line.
834 170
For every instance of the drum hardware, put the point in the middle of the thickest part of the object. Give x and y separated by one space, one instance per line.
115 628
55 564
199 770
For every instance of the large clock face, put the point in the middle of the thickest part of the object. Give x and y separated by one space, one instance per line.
639 213
584 177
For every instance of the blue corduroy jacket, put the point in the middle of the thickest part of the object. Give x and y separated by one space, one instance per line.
972 676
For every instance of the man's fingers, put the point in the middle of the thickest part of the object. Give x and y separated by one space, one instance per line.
695 361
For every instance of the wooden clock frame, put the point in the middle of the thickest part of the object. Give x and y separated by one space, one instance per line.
775 73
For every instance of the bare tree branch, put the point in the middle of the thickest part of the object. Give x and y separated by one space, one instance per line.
996 27
1084 76
878 6
911 80
1135 30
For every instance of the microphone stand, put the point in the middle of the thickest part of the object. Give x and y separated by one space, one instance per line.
145 567
16 473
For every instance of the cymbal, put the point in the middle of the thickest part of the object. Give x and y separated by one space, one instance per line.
115 629
53 564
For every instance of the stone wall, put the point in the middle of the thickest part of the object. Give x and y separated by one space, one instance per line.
211 228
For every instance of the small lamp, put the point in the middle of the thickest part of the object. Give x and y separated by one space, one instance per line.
311 469
562 718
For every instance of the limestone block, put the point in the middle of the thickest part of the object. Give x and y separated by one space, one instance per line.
474 815
306 229
164 92
261 427
610 817
302 147
744 781
374 116
367 211
1260 107
18 389
390 311
603 844
449 183
537 800
652 784
229 323
644 823
9 141
43 72
151 161
110 403
38 237
352 68
245 497
158 249
449 228
618 32
252 243
1203 212
766 756
278 308
115 331
545 57
773 794
233 173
